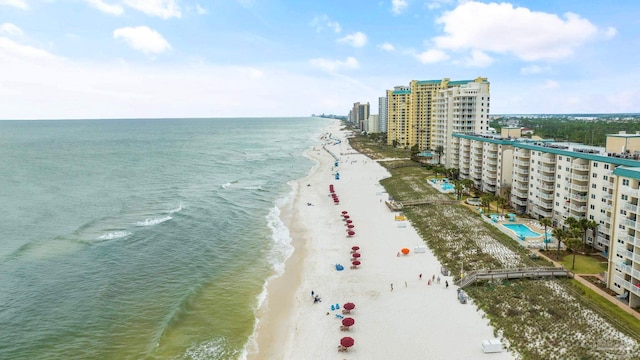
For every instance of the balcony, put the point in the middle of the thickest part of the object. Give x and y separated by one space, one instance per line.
520 193
522 171
580 188
519 202
546 196
548 160
521 162
629 223
582 167
580 177
543 213
623 252
522 187
630 207
631 192
581 198
546 187
492 162
578 208
490 181
547 178
545 204
547 169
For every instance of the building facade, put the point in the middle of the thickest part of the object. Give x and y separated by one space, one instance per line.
547 179
382 114
423 113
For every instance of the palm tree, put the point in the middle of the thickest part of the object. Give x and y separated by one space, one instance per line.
468 185
501 202
457 187
439 150
593 226
573 241
546 222
560 235
486 201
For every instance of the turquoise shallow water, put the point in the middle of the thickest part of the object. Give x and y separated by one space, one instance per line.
130 239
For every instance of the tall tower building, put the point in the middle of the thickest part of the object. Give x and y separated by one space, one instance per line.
398 116
382 114
462 109
417 115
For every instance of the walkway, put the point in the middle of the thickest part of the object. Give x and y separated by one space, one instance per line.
519 273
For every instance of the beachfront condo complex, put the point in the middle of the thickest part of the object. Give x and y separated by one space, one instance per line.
558 180
422 113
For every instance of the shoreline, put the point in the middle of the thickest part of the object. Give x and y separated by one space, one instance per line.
414 320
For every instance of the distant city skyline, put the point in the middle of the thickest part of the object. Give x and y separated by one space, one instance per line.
249 58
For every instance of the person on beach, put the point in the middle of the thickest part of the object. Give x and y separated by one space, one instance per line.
433 278
391 286
405 284
312 293
438 279
446 284
420 276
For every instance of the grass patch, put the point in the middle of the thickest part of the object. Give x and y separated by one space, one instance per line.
584 264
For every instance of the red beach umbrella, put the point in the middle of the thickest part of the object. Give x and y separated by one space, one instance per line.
344 212
347 341
350 226
356 262
355 248
348 321
405 251
351 233
346 216
356 255
349 221
349 306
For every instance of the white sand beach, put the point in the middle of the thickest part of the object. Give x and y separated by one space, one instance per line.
414 321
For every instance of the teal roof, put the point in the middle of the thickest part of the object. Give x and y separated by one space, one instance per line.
424 82
628 172
460 82
587 156
400 92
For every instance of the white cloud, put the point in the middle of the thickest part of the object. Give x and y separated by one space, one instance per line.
432 56
549 84
113 9
335 65
13 51
143 39
20 4
356 39
398 6
320 22
477 58
534 69
200 10
501 28
436 4
9 28
387 47
161 8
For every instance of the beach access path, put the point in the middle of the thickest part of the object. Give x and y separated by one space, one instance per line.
415 320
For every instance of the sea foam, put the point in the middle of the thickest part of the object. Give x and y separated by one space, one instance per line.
154 221
114 235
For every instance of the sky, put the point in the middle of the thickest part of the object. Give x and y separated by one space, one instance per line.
77 59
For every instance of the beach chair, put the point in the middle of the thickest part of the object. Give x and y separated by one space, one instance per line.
342 348
345 311
344 328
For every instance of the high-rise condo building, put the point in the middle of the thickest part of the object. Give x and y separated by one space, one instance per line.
416 113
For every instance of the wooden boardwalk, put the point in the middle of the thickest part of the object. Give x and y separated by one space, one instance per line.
518 273
399 205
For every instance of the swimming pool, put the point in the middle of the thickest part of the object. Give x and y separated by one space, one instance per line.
447 186
521 230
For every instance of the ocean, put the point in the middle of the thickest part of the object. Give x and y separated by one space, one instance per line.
143 238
